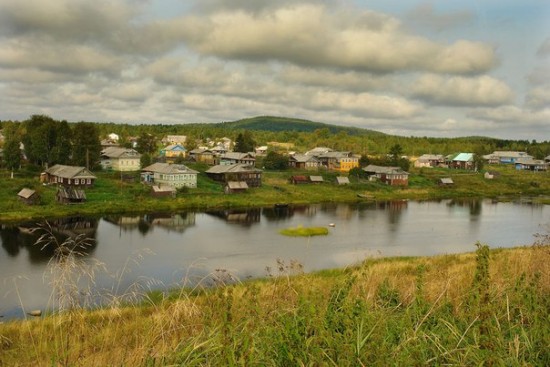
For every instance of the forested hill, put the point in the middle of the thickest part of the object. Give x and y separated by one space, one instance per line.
276 124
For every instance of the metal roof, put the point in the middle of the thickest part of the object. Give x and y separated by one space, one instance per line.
26 193
169 168
230 168
236 185
316 178
118 152
464 157
60 170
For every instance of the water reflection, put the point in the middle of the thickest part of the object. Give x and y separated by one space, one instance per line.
473 205
244 217
27 235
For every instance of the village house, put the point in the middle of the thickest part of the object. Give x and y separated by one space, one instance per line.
299 179
167 174
70 195
393 176
236 158
547 159
236 172
68 176
261 150
462 161
505 157
174 139
318 151
173 151
303 161
338 161
429 160
531 164
120 159
203 155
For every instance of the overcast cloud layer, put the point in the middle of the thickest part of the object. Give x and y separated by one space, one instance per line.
419 68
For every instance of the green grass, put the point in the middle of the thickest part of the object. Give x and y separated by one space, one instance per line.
111 195
304 231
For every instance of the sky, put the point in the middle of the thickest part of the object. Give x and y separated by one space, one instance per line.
412 68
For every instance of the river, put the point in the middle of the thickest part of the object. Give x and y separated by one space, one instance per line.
129 255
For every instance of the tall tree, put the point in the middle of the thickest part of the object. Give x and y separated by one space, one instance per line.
146 143
12 152
86 145
61 151
244 142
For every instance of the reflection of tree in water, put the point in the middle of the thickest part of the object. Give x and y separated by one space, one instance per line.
28 234
277 213
474 206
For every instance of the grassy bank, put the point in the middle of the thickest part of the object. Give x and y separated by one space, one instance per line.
483 308
111 195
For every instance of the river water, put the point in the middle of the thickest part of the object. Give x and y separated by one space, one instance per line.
132 254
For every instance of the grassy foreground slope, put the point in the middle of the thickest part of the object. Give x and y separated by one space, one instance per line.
487 308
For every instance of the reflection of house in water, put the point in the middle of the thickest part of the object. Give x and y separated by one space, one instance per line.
473 206
124 222
172 222
278 212
394 209
307 210
246 216
75 226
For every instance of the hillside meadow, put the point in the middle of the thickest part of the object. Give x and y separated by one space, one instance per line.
113 195
484 308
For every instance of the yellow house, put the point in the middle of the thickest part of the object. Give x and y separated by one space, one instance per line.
339 161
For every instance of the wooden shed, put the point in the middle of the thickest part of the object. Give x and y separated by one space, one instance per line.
235 186
28 196
316 179
342 180
70 195
297 180
163 191
446 181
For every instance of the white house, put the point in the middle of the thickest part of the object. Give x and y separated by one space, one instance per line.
120 159
167 174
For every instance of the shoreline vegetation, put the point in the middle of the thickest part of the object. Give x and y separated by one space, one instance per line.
490 307
112 195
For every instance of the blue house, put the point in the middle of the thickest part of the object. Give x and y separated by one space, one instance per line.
174 151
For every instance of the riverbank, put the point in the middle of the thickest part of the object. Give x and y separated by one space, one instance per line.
111 195
484 307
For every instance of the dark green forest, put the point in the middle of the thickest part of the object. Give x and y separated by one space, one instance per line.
299 135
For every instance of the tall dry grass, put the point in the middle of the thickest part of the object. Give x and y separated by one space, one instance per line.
488 307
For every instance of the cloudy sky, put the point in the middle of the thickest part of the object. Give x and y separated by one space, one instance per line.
436 68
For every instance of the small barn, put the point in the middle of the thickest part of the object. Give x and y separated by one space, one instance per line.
342 180
70 195
233 187
159 191
316 179
28 196
298 180
446 181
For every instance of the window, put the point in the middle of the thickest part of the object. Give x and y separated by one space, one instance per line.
76 181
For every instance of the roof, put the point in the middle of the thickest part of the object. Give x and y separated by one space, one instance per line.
316 178
118 152
237 156
386 170
200 151
431 157
233 168
174 147
318 150
300 178
168 168
163 188
464 157
26 193
60 170
302 158
530 161
446 180
341 180
335 155
509 154
236 185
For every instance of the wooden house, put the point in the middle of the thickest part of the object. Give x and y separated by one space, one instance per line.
429 160
236 172
69 176
168 174
393 176
338 161
303 161
28 196
70 195
120 159
505 157
462 161
159 191
203 155
173 151
531 164
174 139
316 179
238 158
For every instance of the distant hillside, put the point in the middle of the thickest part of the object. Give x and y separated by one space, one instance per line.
276 124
